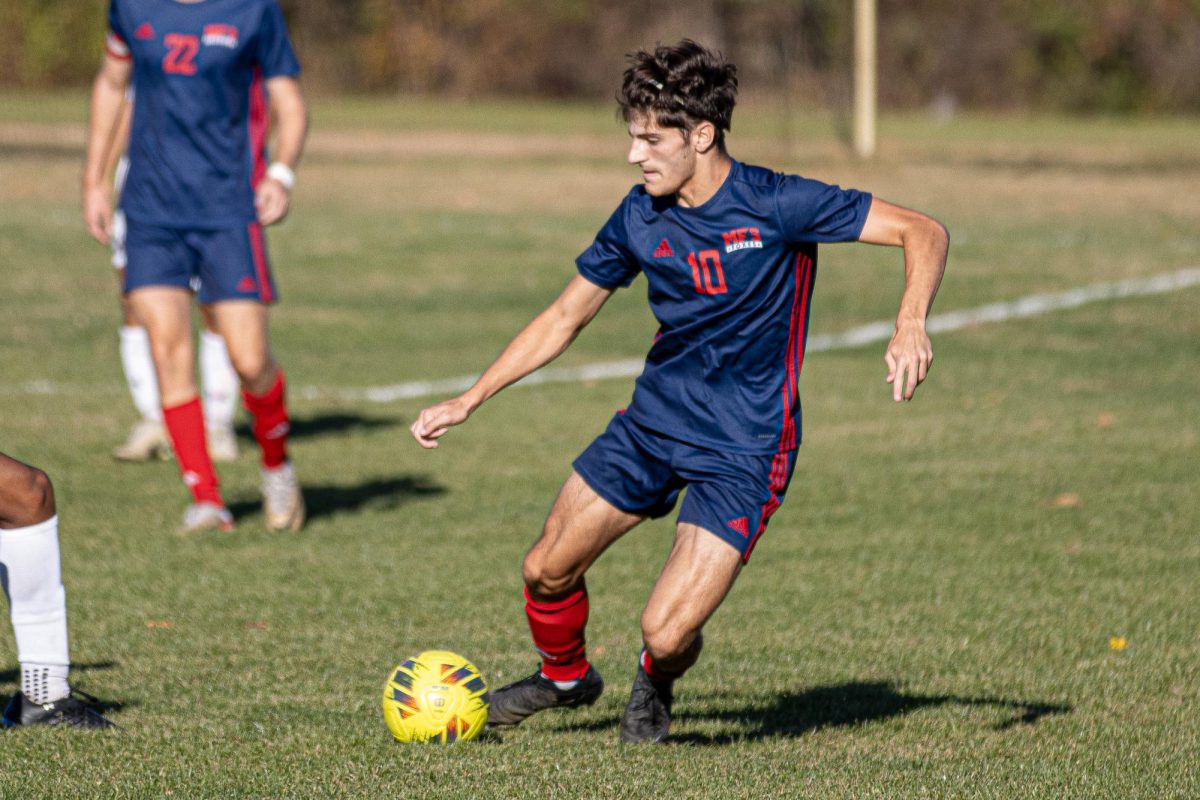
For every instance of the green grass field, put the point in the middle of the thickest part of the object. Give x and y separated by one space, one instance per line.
929 615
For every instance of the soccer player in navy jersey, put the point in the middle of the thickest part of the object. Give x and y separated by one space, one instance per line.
729 252
195 200
148 438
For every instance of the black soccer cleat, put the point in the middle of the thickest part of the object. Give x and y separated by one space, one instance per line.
76 710
647 717
511 704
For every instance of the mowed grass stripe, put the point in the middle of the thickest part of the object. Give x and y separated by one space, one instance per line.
1021 308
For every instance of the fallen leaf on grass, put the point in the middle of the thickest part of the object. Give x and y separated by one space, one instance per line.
160 624
1064 500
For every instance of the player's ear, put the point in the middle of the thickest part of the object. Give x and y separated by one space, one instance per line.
704 136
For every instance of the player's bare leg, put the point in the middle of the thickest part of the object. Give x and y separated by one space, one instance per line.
243 323
580 527
166 313
698 575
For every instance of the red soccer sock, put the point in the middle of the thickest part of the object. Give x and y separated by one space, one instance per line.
185 424
656 673
557 629
271 424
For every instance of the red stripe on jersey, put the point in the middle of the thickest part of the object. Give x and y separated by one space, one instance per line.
259 253
115 47
258 126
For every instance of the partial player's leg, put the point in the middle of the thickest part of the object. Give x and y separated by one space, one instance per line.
243 324
166 313
235 279
32 582
219 389
730 500
148 438
698 574
580 527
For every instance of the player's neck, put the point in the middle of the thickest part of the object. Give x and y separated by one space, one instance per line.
711 172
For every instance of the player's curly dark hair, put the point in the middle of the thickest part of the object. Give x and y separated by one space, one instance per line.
679 86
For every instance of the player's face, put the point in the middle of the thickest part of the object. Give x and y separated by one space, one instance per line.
665 155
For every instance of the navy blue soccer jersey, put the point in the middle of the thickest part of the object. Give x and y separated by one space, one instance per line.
729 283
197 142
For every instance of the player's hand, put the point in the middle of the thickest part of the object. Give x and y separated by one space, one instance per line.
909 356
432 423
271 201
97 212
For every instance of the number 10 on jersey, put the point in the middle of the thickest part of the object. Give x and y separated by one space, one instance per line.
707 273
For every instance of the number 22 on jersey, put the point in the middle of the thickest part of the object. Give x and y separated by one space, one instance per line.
181 54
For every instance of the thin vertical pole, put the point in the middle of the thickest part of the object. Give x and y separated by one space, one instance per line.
865 99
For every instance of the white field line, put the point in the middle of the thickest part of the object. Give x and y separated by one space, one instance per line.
1029 306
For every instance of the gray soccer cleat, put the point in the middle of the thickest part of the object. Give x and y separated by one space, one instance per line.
511 704
147 441
283 503
76 710
206 517
647 717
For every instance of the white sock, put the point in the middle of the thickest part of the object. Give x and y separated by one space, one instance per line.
563 686
220 382
32 580
139 371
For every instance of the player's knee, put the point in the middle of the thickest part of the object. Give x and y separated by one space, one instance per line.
252 368
31 498
543 581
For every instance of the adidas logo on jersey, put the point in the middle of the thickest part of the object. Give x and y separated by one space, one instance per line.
664 250
741 525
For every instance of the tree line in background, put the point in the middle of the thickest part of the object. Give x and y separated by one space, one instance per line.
1079 55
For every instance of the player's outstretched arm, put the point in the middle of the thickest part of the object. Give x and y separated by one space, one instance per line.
108 99
272 196
542 341
926 243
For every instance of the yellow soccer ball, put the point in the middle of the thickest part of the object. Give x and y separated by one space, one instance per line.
437 696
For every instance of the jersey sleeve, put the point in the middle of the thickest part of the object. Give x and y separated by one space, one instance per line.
274 52
812 211
116 43
609 262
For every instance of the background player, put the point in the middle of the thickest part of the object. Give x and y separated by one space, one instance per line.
729 252
195 199
218 380
37 603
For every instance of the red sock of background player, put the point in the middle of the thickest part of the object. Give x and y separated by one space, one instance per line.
271 424
185 424
557 629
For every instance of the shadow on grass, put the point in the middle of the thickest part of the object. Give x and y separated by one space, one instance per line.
102 705
326 424
14 675
844 705
328 500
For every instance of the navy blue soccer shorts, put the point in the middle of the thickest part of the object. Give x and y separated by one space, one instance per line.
227 264
731 495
